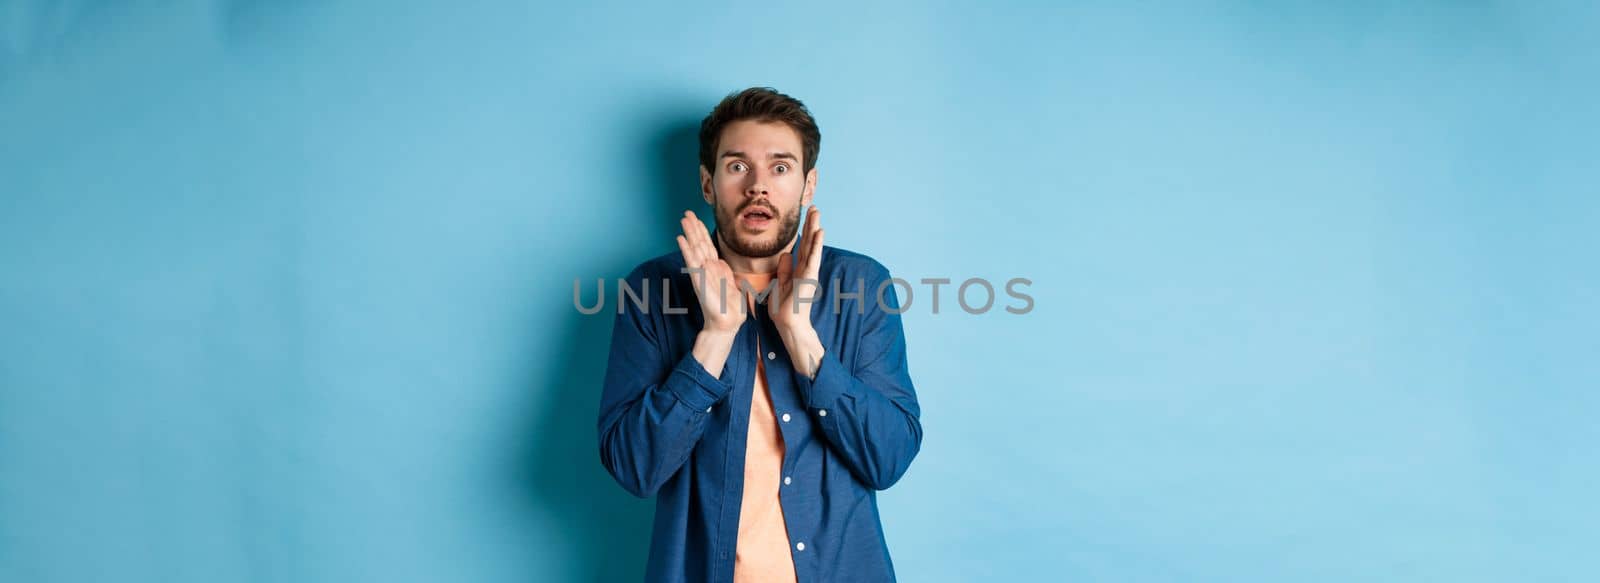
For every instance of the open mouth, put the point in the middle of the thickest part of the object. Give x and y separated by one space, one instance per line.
757 217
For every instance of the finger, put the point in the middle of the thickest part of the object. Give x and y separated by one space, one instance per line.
683 247
814 264
691 228
800 243
692 255
687 220
708 250
813 223
702 235
707 246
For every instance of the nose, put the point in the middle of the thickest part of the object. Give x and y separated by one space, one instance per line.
756 188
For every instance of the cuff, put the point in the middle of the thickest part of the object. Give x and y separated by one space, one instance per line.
692 384
831 382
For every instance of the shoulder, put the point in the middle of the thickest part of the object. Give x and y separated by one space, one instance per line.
667 265
844 262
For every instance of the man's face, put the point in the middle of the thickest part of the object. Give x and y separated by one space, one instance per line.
756 189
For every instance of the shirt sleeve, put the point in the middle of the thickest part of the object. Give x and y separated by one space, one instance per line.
653 410
871 418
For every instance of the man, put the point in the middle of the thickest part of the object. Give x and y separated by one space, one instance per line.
766 413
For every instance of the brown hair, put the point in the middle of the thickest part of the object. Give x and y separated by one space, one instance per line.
762 104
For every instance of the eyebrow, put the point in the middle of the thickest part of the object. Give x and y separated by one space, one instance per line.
774 155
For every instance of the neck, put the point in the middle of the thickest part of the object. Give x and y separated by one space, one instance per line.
744 264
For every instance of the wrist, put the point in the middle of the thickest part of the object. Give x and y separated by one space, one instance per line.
805 349
790 332
718 334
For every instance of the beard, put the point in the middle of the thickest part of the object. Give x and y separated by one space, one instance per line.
748 246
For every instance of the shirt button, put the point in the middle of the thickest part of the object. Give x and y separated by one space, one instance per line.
799 546
785 417
822 412
771 355
708 409
786 480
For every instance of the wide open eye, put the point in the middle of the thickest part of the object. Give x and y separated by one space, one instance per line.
736 166
781 169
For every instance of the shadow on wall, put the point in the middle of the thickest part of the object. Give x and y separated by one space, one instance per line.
605 530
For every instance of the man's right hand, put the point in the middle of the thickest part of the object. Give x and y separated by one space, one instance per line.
721 299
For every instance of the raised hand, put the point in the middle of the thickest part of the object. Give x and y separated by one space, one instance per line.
798 287
721 299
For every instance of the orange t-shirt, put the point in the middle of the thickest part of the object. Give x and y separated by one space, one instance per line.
762 551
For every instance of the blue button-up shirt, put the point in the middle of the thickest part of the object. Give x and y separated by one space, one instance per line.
670 429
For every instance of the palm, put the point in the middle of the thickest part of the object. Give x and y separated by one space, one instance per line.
797 287
720 297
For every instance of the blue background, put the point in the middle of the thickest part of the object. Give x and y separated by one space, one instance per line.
286 287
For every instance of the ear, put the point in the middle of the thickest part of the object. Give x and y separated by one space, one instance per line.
705 187
811 188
